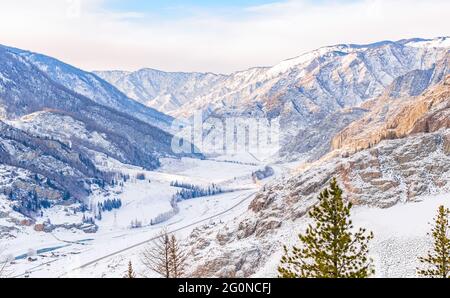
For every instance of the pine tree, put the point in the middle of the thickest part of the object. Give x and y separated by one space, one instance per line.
130 272
329 247
438 260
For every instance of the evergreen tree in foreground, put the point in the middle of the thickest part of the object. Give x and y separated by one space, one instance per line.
130 272
329 248
438 260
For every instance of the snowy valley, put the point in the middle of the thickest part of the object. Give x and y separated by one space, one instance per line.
89 176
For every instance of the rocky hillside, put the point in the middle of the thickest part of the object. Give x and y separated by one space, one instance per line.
320 81
417 81
39 172
413 161
92 87
394 171
25 89
391 118
51 136
308 94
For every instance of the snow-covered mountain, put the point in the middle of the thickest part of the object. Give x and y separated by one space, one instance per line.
374 116
25 89
164 91
407 167
93 87
51 136
304 92
417 81
330 77
339 76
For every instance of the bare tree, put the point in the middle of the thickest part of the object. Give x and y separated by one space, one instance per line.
165 256
177 258
4 264
156 257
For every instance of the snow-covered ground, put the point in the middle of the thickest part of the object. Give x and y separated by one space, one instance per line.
60 253
400 236
400 231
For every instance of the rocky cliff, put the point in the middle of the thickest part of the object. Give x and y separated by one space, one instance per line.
391 118
391 172
399 151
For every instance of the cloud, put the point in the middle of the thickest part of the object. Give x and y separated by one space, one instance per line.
89 35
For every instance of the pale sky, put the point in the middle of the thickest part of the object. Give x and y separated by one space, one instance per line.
208 36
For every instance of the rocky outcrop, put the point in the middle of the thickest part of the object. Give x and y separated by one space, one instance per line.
263 174
396 118
391 172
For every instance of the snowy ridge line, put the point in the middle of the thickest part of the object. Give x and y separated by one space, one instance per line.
302 92
156 237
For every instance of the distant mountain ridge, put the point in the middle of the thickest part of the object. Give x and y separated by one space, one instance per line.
150 86
165 91
316 96
93 87
304 92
